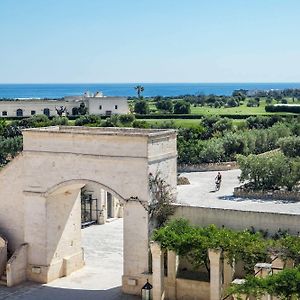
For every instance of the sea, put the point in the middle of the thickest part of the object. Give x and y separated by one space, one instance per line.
53 91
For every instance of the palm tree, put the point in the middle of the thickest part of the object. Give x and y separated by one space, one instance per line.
139 89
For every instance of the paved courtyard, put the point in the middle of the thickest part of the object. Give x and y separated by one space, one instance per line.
100 279
201 192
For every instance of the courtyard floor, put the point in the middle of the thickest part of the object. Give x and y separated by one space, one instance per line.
201 193
100 278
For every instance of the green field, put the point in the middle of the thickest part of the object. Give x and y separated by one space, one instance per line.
240 110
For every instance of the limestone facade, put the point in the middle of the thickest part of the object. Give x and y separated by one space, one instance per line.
41 190
95 106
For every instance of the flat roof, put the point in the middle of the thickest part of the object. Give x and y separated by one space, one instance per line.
103 131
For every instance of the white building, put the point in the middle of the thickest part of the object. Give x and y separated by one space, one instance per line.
95 104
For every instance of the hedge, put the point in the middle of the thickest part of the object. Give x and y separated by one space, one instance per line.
197 116
283 108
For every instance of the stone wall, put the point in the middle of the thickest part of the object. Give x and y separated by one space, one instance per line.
16 266
274 195
224 166
192 289
239 220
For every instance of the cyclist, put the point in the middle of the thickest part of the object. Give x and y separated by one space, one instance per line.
218 181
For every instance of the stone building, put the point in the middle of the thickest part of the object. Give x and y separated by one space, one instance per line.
41 191
94 104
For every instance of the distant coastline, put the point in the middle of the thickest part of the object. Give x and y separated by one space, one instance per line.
127 89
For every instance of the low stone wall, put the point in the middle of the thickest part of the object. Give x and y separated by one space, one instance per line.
224 166
192 289
238 219
274 195
16 266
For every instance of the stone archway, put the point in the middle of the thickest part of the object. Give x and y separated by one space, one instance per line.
58 161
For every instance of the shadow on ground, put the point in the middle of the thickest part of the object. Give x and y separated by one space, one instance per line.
43 292
239 199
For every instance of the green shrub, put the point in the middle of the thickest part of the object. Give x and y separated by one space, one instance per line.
140 124
87 119
283 108
182 107
126 119
60 121
141 107
290 146
270 171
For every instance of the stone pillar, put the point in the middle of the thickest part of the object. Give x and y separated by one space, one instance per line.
136 247
215 273
277 264
263 270
157 271
102 214
228 271
172 271
97 195
35 234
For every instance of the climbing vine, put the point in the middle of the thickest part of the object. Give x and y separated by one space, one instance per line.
250 247
162 198
285 285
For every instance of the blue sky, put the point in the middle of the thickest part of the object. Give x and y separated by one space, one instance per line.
149 41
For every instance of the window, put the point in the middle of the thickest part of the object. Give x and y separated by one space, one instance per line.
108 113
116 106
19 112
46 112
100 107
4 113
33 112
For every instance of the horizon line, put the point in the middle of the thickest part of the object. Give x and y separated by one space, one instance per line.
150 82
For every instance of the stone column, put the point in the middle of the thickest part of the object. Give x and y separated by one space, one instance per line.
35 234
228 270
102 207
215 273
263 270
277 264
157 271
172 271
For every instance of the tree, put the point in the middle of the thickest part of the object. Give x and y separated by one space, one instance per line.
182 107
269 172
165 105
139 89
290 146
141 107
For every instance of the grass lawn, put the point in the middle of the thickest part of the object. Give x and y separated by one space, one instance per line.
240 110
177 122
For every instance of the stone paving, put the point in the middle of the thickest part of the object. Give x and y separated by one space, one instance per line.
201 192
100 278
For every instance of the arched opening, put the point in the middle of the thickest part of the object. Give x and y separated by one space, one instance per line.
19 112
46 112
78 218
